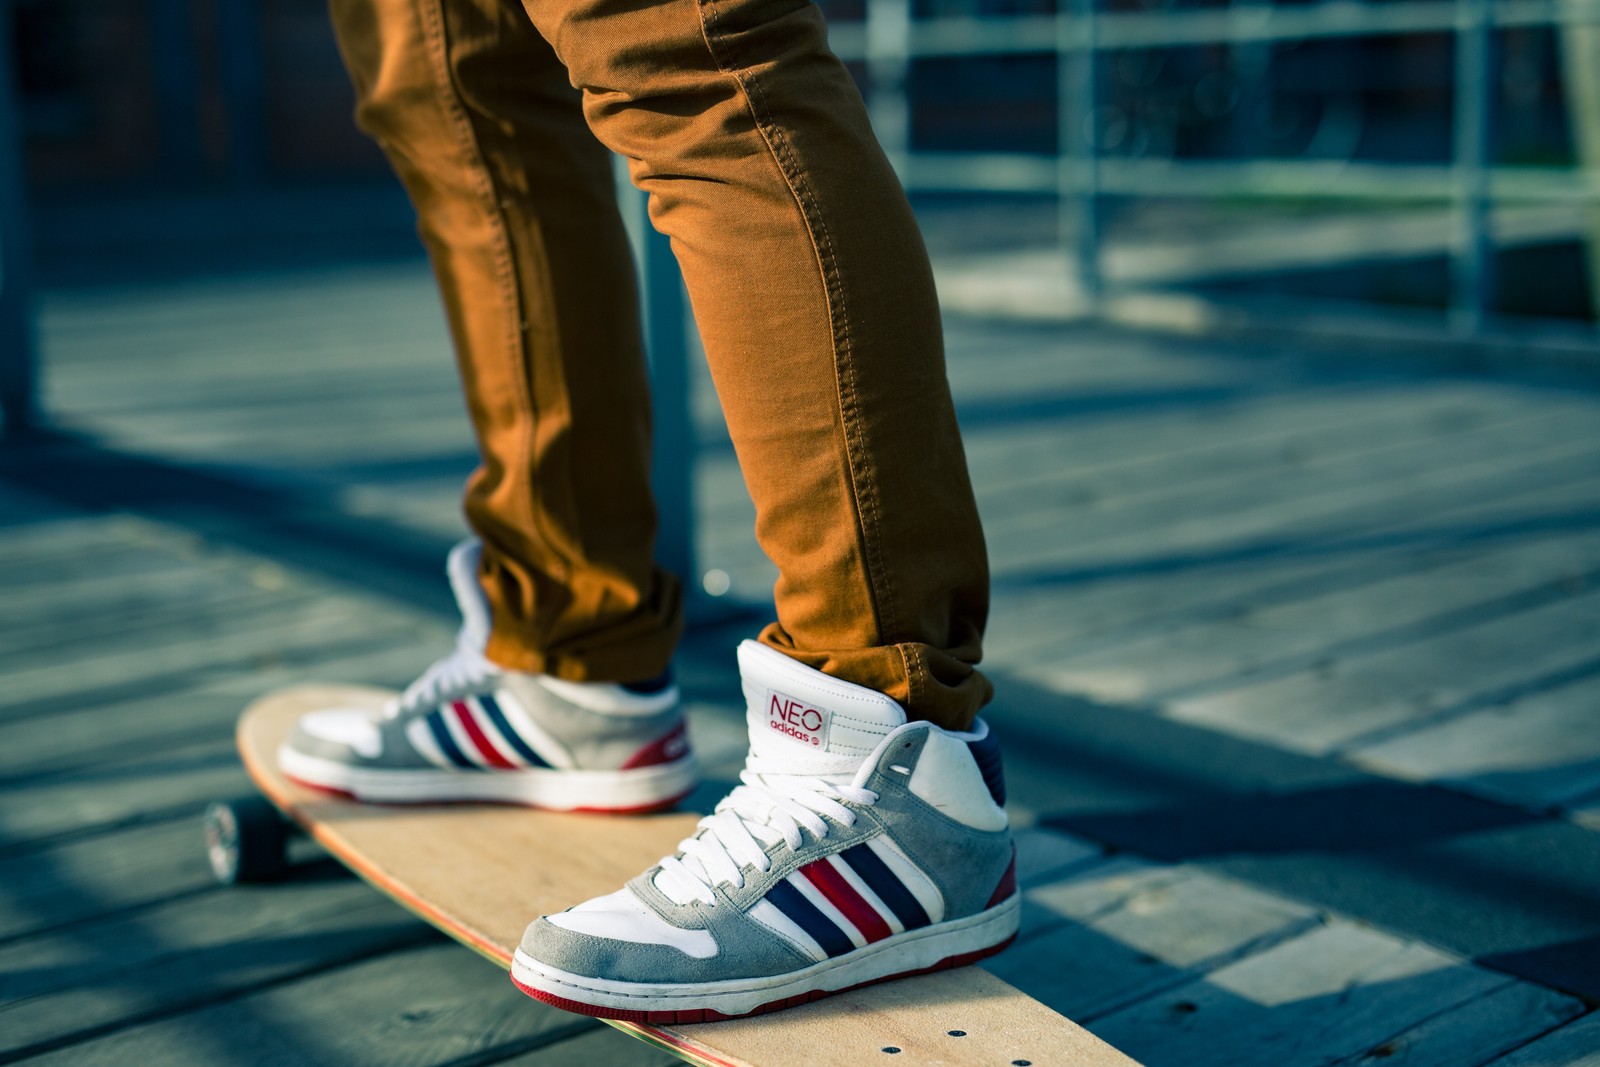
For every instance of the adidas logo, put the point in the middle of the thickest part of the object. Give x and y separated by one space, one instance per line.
797 719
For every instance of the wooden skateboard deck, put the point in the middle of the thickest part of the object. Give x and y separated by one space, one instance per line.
481 873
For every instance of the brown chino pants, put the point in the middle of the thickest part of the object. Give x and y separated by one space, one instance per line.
809 283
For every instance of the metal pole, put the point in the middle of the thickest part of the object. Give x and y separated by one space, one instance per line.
1580 53
888 33
672 475
18 349
1078 142
666 341
244 87
177 89
1251 61
1472 265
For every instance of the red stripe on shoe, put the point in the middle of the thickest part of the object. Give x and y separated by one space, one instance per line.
665 749
479 741
842 895
1008 882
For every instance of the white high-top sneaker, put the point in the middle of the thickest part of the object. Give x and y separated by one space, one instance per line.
860 847
468 730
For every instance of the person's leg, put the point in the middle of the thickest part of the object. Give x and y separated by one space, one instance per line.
562 606
814 297
868 838
515 203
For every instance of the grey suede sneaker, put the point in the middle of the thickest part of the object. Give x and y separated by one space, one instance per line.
468 730
860 847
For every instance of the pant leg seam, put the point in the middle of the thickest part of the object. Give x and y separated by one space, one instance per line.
916 682
450 98
863 485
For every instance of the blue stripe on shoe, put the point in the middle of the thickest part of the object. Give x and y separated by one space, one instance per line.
806 915
507 731
884 882
446 743
986 754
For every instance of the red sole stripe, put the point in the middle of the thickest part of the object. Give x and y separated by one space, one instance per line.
637 809
433 802
479 740
842 895
680 1016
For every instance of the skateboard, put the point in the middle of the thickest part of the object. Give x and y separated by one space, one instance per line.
462 869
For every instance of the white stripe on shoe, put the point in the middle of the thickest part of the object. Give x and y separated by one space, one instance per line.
421 739
918 884
554 754
764 913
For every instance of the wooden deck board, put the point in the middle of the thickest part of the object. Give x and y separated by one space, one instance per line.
1332 702
1240 536
1105 603
100 851
1044 855
1122 931
1475 1032
1575 1045
1340 623
594 1048
134 728
1252 518
1538 751
1329 993
92 876
181 779
99 976
273 629
1313 446
427 1005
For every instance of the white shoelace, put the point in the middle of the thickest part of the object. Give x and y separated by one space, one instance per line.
463 671
771 803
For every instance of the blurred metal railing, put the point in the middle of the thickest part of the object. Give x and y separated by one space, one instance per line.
18 356
889 39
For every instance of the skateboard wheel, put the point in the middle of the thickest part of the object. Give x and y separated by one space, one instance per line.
245 840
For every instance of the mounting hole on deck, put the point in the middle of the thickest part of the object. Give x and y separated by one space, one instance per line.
246 840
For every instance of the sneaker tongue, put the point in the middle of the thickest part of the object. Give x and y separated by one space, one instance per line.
805 723
462 567
816 724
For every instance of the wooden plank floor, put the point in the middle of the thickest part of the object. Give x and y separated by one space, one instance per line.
1318 580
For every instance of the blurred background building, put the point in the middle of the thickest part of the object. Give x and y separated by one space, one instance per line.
1425 154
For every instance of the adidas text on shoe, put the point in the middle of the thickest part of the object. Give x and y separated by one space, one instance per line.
859 848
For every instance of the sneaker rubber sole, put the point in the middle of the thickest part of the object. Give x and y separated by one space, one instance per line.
942 946
645 789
